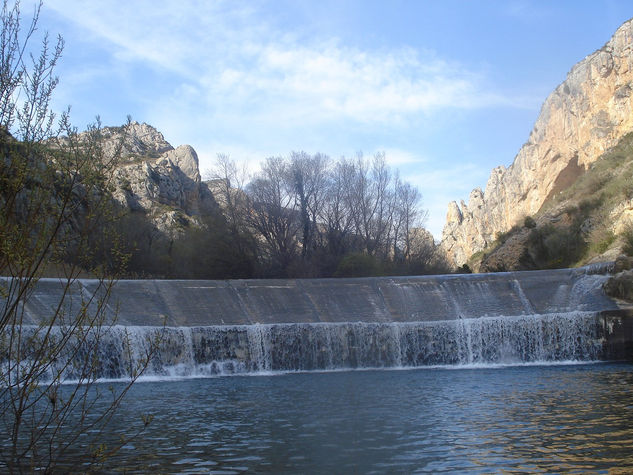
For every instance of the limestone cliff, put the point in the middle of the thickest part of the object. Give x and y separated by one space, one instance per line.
157 179
585 115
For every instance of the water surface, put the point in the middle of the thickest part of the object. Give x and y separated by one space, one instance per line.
572 418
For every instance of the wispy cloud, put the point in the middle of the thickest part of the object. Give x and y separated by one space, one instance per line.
230 60
220 76
397 157
527 11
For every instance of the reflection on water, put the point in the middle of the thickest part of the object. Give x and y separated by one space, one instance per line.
573 425
544 419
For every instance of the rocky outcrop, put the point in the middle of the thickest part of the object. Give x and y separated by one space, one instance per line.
620 285
157 179
586 115
134 140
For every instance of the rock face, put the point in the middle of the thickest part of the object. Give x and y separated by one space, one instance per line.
135 140
157 179
585 115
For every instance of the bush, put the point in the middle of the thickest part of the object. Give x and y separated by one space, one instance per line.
602 240
465 269
502 237
529 222
358 265
627 236
555 247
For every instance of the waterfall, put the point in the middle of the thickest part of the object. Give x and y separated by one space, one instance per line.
524 300
264 348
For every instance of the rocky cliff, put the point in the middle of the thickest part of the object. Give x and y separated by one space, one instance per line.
585 115
157 179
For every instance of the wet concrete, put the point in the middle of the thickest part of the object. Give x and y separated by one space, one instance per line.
374 300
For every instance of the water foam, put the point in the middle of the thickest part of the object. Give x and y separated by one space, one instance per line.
207 351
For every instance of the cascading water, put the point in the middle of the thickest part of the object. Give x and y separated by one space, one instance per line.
218 350
347 324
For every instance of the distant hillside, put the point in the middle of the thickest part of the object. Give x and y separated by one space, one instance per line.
586 115
301 216
157 179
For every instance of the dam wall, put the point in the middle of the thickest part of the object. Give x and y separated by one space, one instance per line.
205 328
192 303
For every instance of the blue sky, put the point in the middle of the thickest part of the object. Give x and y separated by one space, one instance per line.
448 89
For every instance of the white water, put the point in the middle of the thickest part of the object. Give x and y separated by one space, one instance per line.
184 352
461 321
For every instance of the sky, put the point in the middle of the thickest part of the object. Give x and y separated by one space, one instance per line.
447 89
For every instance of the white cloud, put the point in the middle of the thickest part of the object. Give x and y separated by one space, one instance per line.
233 83
396 157
238 64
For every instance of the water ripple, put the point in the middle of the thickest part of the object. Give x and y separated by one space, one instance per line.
514 420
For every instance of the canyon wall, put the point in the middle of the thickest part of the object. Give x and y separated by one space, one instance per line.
585 115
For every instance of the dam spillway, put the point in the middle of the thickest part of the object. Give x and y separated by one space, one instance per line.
250 326
191 303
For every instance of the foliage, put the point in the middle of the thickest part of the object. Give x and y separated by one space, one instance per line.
600 240
555 247
627 236
578 220
464 269
529 222
358 265
309 216
608 181
502 237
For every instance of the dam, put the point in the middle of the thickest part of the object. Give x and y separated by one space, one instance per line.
254 326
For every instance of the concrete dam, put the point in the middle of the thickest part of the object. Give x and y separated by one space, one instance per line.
248 326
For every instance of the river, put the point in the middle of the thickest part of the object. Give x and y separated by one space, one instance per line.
526 418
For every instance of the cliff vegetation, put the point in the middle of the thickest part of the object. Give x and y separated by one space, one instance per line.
585 116
588 221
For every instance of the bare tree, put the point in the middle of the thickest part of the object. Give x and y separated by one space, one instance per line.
307 207
407 216
306 178
381 222
55 203
227 183
369 201
336 214
360 201
272 212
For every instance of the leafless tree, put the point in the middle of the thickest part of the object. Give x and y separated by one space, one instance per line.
54 196
306 206
272 213
370 202
227 183
306 176
336 214
407 216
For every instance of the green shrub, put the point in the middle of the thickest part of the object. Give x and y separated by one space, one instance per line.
554 247
358 265
627 236
603 242
586 206
464 269
502 237
529 222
